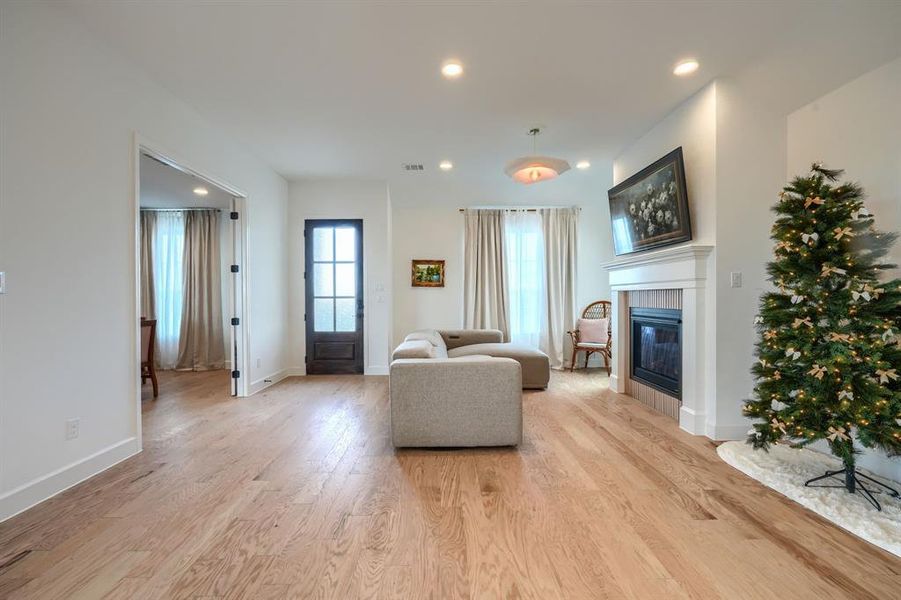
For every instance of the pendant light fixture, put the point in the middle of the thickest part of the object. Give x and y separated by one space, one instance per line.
534 168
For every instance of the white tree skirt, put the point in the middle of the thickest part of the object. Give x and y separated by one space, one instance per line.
785 470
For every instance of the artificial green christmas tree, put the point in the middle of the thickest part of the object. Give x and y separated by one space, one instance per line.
829 359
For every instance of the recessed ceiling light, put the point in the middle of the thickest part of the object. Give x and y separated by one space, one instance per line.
452 69
201 191
583 164
685 67
445 165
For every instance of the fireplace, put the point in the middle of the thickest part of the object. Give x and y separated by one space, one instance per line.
656 348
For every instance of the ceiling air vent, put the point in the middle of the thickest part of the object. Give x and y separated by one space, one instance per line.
413 167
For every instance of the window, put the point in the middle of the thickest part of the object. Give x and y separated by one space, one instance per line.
524 265
334 279
168 277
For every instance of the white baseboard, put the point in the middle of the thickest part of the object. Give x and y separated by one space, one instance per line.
738 431
270 380
616 385
691 421
376 370
34 492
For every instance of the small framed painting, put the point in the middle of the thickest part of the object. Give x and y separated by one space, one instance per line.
650 209
428 273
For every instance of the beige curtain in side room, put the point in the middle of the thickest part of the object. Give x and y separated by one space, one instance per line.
201 346
484 283
560 227
148 225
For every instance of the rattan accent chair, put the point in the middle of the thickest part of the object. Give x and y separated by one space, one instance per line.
596 310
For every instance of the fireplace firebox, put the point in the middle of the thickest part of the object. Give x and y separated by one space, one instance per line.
656 348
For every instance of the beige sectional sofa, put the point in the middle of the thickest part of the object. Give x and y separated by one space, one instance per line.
461 388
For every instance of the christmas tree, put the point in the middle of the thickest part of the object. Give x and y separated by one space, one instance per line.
829 359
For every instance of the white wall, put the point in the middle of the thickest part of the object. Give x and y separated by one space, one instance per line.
750 171
69 111
345 199
433 230
691 125
858 128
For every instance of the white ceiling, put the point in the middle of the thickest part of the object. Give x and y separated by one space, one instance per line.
352 89
163 186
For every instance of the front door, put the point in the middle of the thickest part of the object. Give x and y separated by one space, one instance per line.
334 296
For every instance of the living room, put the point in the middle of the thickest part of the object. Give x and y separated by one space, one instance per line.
462 409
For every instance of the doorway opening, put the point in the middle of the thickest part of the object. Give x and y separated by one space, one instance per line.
190 280
333 273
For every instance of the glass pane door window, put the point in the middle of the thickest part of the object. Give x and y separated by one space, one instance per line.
334 279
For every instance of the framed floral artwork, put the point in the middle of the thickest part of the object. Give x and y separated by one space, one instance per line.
650 208
427 273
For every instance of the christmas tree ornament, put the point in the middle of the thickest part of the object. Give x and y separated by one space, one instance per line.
828 359
813 202
840 232
886 375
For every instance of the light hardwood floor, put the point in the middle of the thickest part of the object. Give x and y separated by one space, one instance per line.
296 492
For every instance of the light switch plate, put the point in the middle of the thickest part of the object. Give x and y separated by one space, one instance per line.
2 282
735 279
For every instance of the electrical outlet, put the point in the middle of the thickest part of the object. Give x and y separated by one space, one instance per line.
259 363
2 282
72 426
736 279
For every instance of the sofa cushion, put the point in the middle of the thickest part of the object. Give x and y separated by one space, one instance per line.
536 368
414 349
593 331
429 335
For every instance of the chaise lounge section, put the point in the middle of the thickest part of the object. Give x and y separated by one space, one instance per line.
536 370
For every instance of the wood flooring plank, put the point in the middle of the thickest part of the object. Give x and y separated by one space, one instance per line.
297 493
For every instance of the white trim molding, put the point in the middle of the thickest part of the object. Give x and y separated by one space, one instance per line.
34 492
261 384
684 268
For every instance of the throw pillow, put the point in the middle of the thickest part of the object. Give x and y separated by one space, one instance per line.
593 331
414 349
429 335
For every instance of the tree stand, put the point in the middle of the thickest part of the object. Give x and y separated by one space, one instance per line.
853 484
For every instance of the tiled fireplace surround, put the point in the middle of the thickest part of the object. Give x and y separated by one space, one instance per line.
669 278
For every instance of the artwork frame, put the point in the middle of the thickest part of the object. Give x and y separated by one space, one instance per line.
650 209
426 273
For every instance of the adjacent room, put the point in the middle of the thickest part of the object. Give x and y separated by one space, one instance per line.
187 287
413 299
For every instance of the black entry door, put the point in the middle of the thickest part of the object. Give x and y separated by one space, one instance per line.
334 296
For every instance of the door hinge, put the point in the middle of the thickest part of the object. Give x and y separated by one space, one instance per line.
235 268
233 215
304 275
236 321
304 317
236 374
305 359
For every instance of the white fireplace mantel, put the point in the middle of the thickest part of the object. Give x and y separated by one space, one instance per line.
671 268
683 268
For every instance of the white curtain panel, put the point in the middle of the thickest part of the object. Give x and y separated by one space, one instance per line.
168 284
560 228
485 299
524 265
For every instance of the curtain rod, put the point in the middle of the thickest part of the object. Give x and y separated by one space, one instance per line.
182 209
512 208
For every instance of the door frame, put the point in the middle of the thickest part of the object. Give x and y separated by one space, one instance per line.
237 285
360 361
